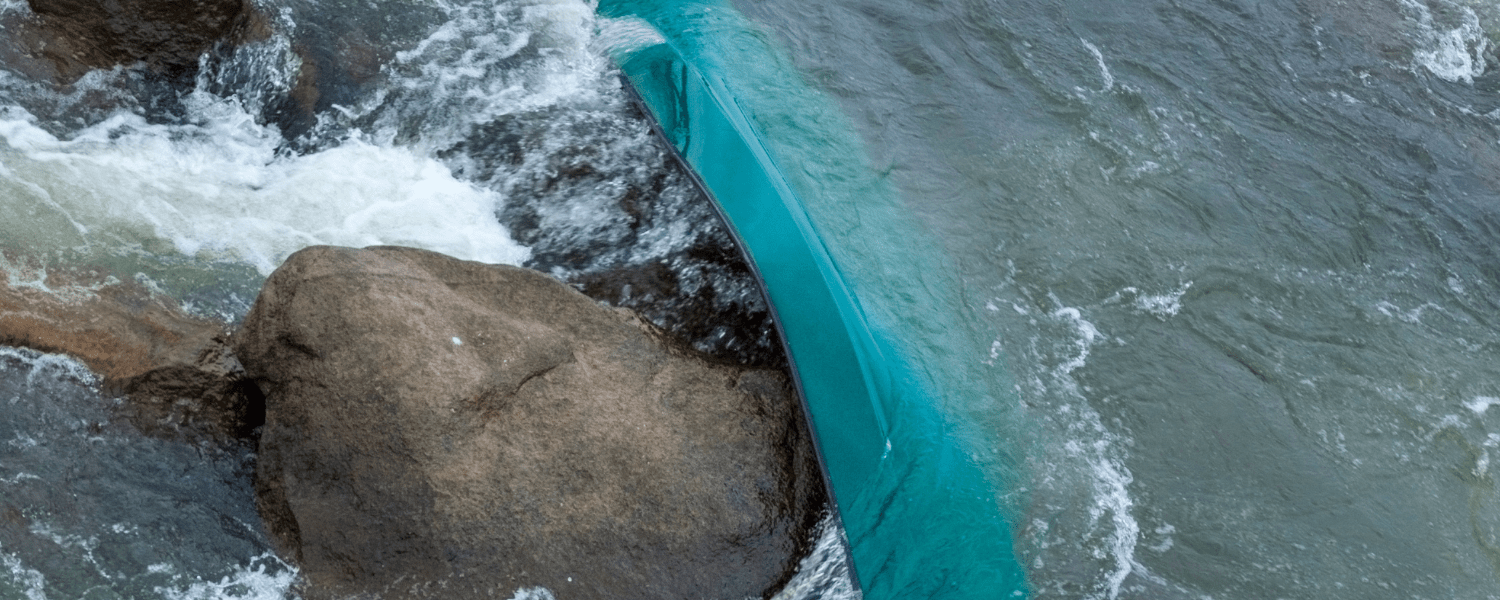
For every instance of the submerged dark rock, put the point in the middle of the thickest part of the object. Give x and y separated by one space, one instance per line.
444 428
175 370
653 241
344 49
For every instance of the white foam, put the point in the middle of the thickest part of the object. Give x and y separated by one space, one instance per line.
56 367
1457 286
1454 54
254 581
218 189
535 593
995 347
18 277
1087 335
1109 79
466 73
22 273
1165 531
1447 422
19 477
1163 305
31 581
1410 316
1112 498
23 442
1481 404
824 572
1096 446
625 35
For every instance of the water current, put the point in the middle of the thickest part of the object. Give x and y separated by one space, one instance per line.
1224 271
1239 258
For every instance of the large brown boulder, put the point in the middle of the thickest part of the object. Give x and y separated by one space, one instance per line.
451 429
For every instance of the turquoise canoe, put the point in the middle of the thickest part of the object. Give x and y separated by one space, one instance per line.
922 518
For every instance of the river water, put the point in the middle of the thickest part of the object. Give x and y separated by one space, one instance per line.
1225 270
1239 257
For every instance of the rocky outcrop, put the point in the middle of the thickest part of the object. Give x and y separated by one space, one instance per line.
175 369
444 428
63 39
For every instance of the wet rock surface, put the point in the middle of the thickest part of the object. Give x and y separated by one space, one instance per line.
444 428
176 369
63 39
625 223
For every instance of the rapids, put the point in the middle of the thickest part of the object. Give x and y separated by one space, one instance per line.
1213 281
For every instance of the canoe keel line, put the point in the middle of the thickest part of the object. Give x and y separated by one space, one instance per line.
923 520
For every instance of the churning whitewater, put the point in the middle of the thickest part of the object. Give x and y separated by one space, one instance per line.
1224 268
497 131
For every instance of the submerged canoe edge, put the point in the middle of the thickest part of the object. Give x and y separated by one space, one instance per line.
921 518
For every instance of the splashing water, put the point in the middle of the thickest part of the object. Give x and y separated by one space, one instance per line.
494 131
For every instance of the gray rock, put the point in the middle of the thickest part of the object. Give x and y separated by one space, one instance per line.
444 428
